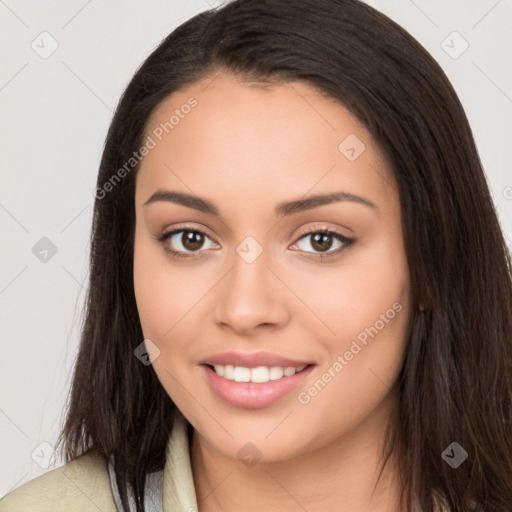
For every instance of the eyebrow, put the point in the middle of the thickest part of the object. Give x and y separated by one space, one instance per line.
281 210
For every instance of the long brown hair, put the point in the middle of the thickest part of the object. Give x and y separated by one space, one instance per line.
455 384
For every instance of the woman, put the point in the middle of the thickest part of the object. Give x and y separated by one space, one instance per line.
300 295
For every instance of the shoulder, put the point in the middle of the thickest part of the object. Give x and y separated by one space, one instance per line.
80 485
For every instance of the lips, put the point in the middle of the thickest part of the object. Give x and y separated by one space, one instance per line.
253 360
249 395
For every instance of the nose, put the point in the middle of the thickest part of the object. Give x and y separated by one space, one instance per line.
252 298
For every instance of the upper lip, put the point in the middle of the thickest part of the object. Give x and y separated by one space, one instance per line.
253 360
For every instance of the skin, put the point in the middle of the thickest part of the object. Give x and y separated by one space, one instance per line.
246 149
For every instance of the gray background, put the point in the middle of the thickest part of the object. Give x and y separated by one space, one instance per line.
55 113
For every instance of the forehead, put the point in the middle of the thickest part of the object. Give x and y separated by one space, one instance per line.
221 134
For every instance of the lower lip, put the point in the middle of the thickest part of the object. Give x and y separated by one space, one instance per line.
253 395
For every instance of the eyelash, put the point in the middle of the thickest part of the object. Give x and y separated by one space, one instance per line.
321 256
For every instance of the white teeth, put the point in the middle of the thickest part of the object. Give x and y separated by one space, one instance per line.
242 374
276 372
258 374
229 372
289 371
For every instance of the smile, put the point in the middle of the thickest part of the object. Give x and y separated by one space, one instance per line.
258 374
252 388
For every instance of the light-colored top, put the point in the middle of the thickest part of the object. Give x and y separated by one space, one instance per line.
83 485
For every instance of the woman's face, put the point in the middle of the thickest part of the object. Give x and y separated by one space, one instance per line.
262 279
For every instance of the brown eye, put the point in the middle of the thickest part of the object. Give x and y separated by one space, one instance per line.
321 241
192 240
184 243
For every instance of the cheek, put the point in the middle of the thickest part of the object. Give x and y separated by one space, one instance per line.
164 295
367 311
353 295
155 289
167 295
364 306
